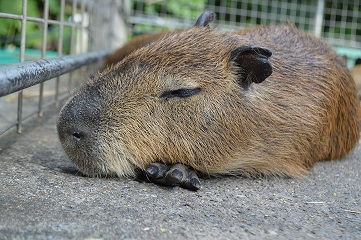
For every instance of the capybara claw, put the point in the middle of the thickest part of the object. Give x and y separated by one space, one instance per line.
156 170
173 175
193 182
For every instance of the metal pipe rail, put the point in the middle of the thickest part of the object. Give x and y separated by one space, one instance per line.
19 76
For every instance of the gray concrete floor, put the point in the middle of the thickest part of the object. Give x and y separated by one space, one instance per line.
43 197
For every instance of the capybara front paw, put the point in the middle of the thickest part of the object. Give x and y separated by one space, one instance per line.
173 175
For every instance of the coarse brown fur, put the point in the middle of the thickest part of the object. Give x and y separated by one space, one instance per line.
306 111
132 45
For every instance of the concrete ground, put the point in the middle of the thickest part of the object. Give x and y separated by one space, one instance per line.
43 197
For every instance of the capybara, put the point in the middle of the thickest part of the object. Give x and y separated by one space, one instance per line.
270 100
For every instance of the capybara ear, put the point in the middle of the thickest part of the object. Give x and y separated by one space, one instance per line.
252 64
204 19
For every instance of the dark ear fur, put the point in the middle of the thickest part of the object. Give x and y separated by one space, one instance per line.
252 64
204 19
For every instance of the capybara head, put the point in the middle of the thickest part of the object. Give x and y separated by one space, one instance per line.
218 102
166 102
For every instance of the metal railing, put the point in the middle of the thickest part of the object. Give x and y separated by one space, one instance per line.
17 77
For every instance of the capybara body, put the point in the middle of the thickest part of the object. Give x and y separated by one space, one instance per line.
186 98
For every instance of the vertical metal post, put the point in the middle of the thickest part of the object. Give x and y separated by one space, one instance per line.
88 9
22 57
72 41
319 18
43 54
60 48
81 37
81 31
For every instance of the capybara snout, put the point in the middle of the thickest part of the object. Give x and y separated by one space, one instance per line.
77 130
269 100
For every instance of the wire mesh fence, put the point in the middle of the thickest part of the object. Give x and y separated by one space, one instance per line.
338 22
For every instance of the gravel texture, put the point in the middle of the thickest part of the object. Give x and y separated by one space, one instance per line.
43 197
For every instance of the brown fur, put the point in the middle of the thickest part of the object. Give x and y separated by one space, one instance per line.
132 45
306 111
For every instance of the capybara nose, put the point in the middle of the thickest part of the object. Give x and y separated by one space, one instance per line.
73 129
77 135
78 119
73 134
